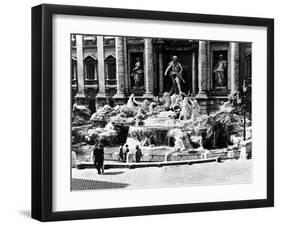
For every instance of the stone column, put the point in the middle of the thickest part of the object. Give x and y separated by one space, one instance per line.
127 74
80 95
101 74
161 78
203 69
101 96
120 70
154 74
148 68
234 66
194 74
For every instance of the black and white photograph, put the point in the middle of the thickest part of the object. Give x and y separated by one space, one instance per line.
139 113
159 112
142 112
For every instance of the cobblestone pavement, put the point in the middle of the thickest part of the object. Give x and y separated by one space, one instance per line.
228 172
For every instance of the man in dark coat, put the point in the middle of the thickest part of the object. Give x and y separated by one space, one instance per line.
121 154
126 153
138 154
99 158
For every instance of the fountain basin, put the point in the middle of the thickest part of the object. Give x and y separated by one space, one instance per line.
149 135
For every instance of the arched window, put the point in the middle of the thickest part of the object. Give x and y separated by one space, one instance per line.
110 69
90 66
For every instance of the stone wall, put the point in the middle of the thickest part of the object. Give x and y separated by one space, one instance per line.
202 87
211 104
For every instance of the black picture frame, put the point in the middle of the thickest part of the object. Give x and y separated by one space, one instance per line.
42 111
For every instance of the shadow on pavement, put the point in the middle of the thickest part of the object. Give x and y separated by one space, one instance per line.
113 173
81 184
25 213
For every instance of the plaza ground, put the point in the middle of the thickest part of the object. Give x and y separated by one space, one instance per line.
227 172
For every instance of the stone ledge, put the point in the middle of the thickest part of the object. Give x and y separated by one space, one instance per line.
147 164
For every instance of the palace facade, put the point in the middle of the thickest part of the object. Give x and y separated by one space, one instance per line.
109 69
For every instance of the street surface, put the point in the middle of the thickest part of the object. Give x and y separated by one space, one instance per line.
228 172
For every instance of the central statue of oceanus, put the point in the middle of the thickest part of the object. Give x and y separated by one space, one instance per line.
175 72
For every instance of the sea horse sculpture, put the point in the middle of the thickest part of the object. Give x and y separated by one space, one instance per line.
131 108
132 103
176 100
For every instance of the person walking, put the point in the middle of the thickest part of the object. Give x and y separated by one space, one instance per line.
121 153
126 152
138 154
99 158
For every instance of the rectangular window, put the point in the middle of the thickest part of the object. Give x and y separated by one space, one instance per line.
74 70
89 70
111 66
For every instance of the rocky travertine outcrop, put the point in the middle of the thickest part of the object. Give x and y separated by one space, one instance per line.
109 135
79 133
102 116
217 129
171 121
80 115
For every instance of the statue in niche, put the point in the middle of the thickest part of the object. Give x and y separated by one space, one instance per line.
175 71
220 72
137 74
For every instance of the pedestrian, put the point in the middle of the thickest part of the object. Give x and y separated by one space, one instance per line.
126 152
102 158
152 140
138 154
99 158
121 153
